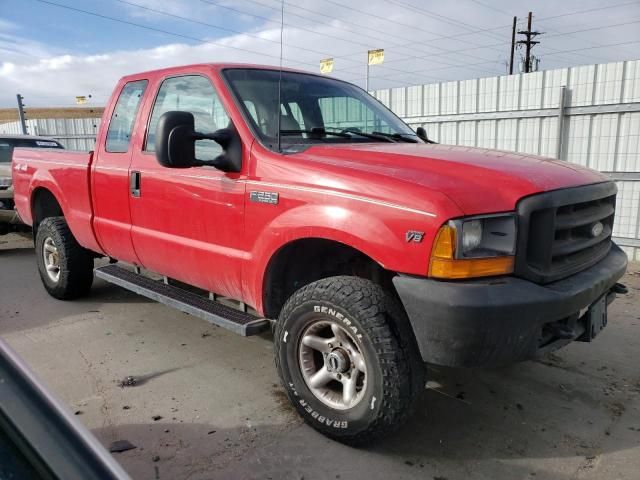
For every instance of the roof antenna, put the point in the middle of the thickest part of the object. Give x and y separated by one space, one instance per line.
280 78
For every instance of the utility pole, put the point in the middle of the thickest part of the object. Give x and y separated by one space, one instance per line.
528 43
513 44
23 122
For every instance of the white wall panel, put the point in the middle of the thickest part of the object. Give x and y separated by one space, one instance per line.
432 99
486 134
383 96
632 82
468 96
581 85
628 158
608 83
509 92
528 135
531 91
549 137
414 101
603 142
626 220
448 132
448 98
577 139
553 80
507 134
398 101
488 94
467 134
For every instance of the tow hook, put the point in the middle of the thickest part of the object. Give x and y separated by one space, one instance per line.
620 288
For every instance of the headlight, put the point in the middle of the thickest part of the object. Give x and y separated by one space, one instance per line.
5 182
474 247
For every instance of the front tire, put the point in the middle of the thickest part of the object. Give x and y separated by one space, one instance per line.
344 362
65 267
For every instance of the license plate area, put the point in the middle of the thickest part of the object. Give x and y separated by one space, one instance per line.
595 319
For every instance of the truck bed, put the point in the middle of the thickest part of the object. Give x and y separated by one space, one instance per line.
65 174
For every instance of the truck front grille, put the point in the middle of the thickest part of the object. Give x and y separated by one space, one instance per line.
564 231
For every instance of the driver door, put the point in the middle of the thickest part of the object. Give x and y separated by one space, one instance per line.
188 224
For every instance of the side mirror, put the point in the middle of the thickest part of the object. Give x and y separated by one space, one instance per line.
422 134
175 143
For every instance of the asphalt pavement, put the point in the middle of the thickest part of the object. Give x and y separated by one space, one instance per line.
204 403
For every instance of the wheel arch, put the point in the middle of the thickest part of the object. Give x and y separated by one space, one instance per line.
305 260
44 204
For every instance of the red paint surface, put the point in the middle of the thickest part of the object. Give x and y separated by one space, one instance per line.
197 225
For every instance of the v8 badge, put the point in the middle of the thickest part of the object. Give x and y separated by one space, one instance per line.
414 236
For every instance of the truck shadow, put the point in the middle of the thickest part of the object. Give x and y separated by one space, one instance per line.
540 409
204 451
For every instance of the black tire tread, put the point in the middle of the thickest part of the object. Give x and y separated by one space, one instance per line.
377 311
76 275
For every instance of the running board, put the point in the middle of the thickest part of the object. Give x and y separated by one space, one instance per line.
214 312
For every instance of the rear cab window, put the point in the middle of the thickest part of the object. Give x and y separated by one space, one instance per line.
124 116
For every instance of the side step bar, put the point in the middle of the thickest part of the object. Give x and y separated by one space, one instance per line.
214 312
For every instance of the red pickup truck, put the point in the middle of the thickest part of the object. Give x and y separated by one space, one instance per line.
260 198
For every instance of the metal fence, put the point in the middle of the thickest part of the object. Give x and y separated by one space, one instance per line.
589 115
73 133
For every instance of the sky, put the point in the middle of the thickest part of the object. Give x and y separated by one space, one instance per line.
54 50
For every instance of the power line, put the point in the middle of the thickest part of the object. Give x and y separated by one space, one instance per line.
589 10
491 7
167 32
225 29
555 51
489 29
267 19
335 57
548 54
342 20
377 39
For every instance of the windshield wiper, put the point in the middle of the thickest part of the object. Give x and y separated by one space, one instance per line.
374 135
315 131
398 136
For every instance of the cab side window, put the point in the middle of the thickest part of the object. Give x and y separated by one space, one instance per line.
194 94
124 116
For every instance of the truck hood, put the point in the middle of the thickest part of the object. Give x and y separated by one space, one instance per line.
477 180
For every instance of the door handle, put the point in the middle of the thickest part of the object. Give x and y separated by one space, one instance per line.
134 184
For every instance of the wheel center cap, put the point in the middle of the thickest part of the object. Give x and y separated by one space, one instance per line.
337 361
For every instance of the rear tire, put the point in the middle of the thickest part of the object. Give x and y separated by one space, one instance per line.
65 267
339 332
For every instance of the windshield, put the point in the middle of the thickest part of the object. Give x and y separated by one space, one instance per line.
8 144
313 109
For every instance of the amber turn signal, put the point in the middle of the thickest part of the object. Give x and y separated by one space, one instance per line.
444 264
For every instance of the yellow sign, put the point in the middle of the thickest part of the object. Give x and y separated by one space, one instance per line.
376 57
326 65
81 100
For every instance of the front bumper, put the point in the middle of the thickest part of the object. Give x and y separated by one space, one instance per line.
498 321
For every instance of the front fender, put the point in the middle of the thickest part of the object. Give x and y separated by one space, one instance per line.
380 237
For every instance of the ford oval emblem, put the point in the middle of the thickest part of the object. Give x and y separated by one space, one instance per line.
596 229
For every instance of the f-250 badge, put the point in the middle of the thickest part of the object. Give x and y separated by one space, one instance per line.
414 236
264 197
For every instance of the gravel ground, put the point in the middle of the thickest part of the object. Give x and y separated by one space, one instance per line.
207 403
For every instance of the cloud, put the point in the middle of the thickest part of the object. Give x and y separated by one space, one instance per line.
416 40
6 25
